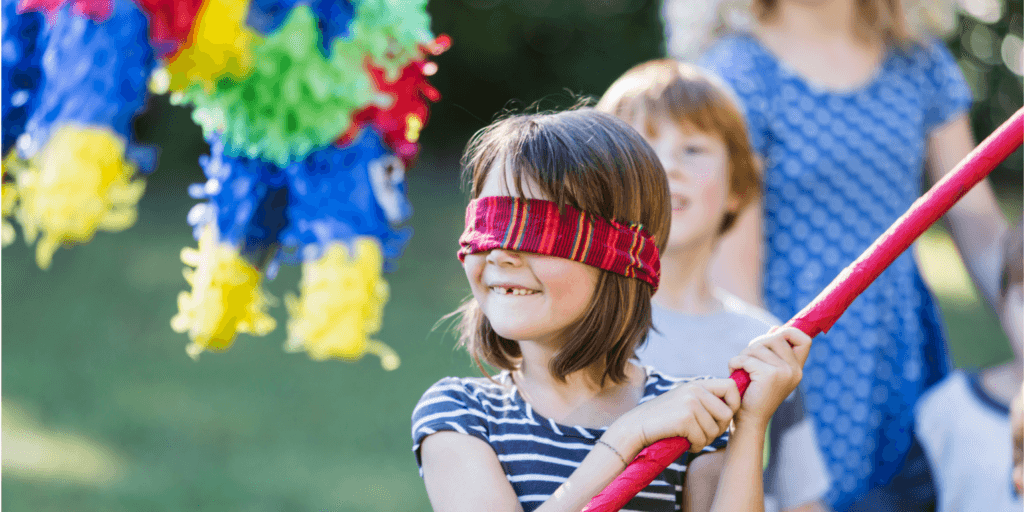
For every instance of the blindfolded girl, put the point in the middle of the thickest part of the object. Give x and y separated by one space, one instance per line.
561 253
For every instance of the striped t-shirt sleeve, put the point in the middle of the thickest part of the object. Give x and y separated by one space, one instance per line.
447 406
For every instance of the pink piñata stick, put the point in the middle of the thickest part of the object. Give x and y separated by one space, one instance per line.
829 305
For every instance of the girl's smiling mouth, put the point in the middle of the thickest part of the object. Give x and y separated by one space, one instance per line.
511 289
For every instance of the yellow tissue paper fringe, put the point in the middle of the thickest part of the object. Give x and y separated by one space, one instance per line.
9 200
220 44
227 297
342 302
75 185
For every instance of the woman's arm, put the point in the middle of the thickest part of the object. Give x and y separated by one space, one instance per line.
976 223
736 265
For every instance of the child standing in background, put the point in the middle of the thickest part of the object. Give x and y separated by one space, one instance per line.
561 254
850 111
699 135
964 422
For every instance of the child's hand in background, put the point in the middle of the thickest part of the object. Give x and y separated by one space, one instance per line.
775 363
1017 431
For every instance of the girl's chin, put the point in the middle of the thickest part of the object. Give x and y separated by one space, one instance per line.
519 333
511 335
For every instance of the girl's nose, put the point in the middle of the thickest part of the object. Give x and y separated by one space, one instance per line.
504 257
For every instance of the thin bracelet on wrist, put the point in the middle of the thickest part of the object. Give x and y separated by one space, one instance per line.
616 452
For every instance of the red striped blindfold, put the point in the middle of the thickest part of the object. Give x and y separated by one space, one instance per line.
537 226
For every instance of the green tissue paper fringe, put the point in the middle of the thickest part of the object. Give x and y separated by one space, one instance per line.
391 31
294 101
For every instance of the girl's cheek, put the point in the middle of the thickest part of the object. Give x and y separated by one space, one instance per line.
473 267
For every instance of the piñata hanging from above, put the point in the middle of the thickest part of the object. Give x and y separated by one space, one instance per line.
73 80
313 112
312 109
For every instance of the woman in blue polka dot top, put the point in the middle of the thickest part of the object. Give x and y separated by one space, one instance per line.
848 109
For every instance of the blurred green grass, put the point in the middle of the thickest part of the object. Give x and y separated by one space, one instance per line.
88 350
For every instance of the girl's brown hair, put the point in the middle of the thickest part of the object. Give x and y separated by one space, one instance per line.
885 18
688 96
600 165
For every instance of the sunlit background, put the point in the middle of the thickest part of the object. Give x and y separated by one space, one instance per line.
103 410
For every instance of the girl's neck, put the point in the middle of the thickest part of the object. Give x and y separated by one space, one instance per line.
819 21
581 399
685 286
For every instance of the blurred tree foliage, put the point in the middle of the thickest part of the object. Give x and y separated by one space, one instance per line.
512 53
988 49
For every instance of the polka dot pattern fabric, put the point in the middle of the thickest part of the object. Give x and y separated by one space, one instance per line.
841 167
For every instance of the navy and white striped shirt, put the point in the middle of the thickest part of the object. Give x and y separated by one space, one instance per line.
537 454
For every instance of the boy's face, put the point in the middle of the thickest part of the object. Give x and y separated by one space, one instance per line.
697 165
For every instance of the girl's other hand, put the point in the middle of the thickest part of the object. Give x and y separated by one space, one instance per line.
698 410
775 363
